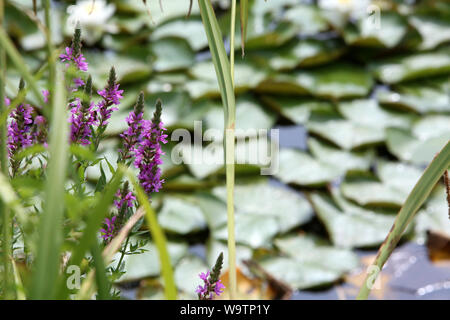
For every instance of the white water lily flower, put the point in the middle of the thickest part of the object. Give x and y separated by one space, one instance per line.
92 16
354 8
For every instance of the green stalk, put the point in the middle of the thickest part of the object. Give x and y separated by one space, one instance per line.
415 199
225 79
4 210
19 63
159 238
100 274
50 229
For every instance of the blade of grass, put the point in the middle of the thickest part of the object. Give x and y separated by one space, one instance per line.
100 273
225 78
159 238
50 228
20 290
415 199
244 22
4 209
19 63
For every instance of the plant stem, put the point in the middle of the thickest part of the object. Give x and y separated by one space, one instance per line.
123 251
230 172
4 210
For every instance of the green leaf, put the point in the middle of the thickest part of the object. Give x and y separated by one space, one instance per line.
346 134
433 29
390 33
46 267
180 216
288 207
409 148
344 160
244 8
416 66
314 265
348 225
172 54
299 168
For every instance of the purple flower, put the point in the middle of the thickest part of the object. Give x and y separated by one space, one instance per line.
78 59
82 117
109 231
19 130
126 200
7 101
210 287
132 135
111 95
46 95
148 153
78 82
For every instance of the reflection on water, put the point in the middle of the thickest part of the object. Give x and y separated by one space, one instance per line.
411 276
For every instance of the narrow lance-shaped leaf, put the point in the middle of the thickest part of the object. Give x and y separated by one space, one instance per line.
244 23
49 245
416 198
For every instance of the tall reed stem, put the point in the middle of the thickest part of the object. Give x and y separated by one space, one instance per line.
4 210
230 173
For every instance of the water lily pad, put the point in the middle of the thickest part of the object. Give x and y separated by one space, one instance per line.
189 29
310 262
367 112
288 207
348 225
390 31
433 29
336 81
434 216
250 117
180 216
404 145
307 18
214 248
172 54
253 230
128 69
419 97
303 53
138 266
299 168
414 66
344 160
298 110
346 134
373 193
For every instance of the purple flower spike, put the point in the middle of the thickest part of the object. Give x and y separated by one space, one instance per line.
73 53
132 135
111 96
109 231
81 119
212 285
126 200
148 152
7 101
19 130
